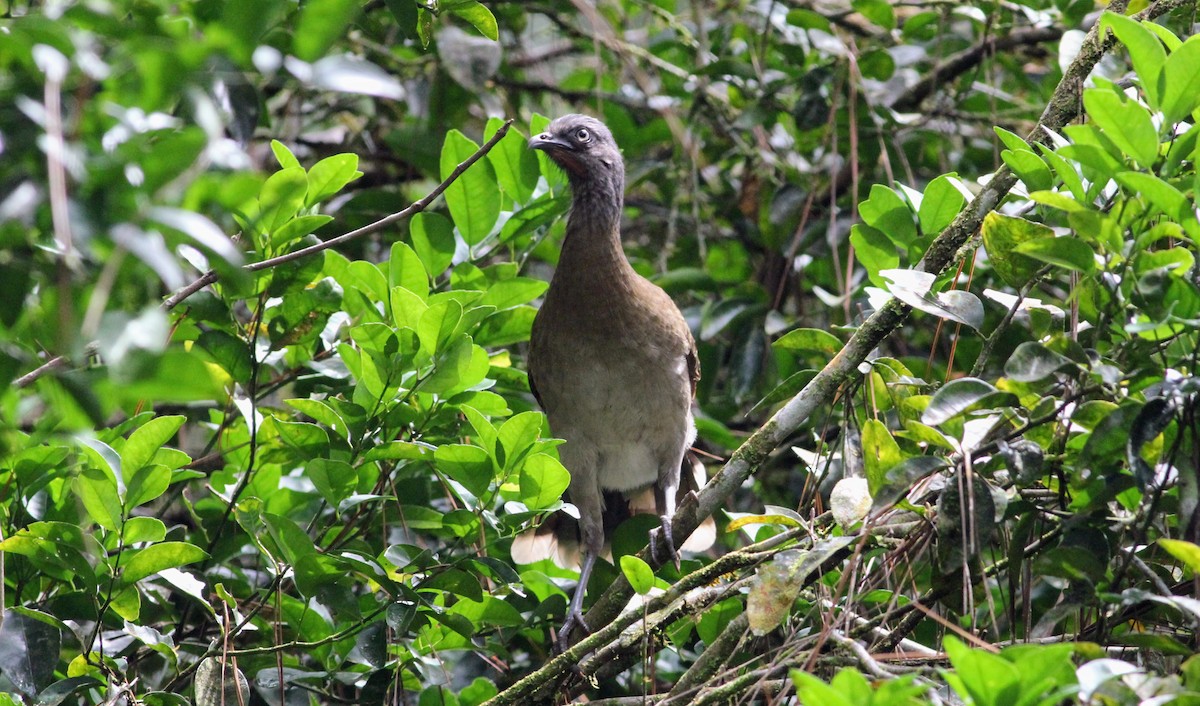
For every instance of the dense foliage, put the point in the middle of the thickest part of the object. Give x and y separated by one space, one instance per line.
268 270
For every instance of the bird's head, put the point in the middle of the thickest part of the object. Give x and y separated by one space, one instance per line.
584 148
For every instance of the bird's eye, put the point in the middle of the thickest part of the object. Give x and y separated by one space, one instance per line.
583 135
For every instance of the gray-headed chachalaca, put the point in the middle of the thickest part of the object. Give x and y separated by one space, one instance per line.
613 364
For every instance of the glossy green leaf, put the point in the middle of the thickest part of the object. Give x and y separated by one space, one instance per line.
97 489
1186 552
809 340
147 484
406 269
1032 361
469 465
963 395
29 649
1124 122
887 212
474 198
1029 168
543 481
940 203
1145 51
433 240
875 251
1068 252
515 164
146 440
880 453
479 16
329 176
1181 81
638 573
165 555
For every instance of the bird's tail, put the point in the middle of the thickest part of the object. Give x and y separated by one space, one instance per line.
558 537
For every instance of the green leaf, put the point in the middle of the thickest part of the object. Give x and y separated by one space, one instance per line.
940 203
280 198
875 251
638 573
1166 198
1001 236
881 453
809 340
543 481
1067 172
323 413
1029 168
509 293
1124 122
1145 52
517 434
887 212
330 176
144 442
438 324
284 156
515 164
29 649
334 480
463 365
1011 140
1185 552
469 465
988 678
406 269
433 240
297 228
148 483
143 529
1069 252
811 689
479 16
1181 81
1032 361
474 198
962 395
156 557
879 12
97 489
321 23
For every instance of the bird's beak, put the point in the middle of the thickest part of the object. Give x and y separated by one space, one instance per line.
549 143
560 152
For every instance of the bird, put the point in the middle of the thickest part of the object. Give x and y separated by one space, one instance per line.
613 364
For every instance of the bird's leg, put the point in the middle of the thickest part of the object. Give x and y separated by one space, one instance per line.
664 500
575 609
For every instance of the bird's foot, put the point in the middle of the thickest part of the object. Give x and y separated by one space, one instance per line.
574 619
668 540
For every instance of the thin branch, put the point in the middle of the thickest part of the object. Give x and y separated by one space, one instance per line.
958 64
211 276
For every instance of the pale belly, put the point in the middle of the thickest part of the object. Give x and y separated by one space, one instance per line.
630 430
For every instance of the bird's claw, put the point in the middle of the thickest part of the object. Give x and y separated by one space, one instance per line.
668 540
574 618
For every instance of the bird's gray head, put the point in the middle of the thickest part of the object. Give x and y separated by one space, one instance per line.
586 151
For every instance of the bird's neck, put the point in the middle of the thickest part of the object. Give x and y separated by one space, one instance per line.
592 249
